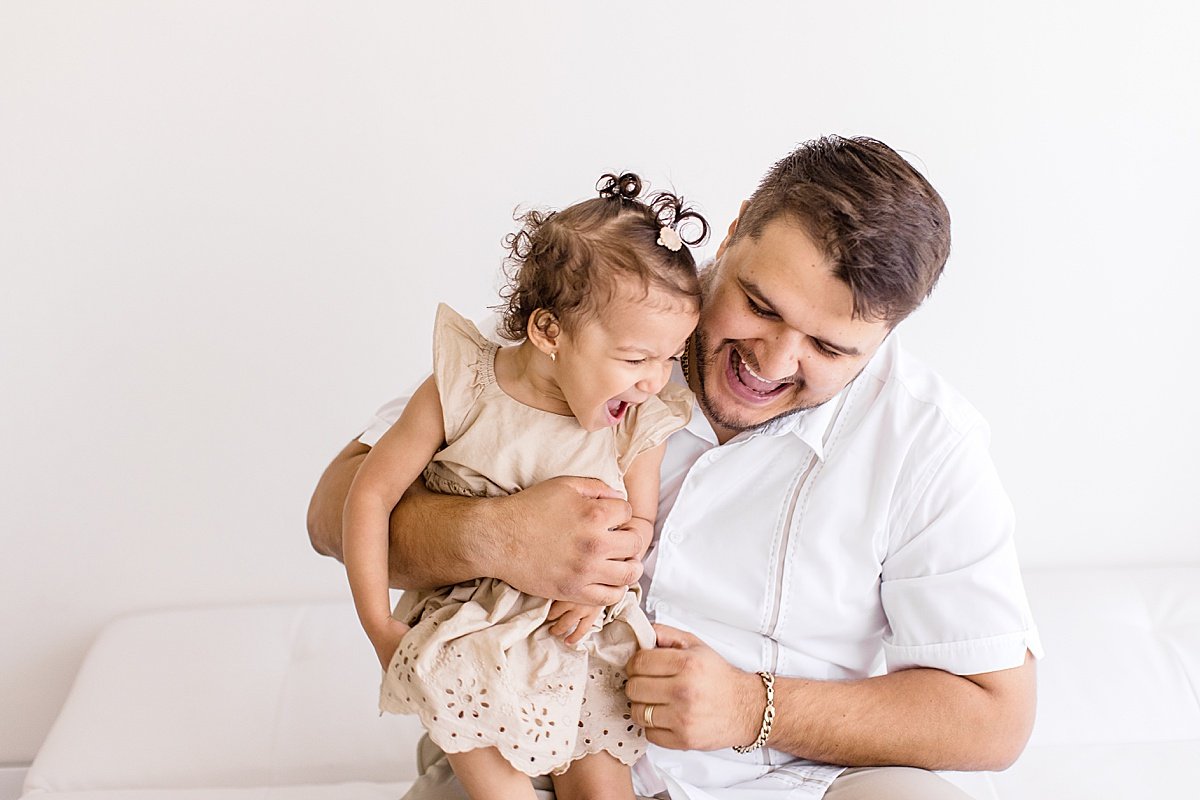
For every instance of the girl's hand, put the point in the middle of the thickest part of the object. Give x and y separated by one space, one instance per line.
386 639
572 620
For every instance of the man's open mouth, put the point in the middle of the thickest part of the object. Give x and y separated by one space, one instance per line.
746 383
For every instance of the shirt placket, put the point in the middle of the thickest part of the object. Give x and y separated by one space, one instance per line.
788 535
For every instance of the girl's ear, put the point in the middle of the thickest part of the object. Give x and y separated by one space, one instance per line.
543 330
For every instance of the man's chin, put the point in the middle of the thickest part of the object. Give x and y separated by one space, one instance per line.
738 420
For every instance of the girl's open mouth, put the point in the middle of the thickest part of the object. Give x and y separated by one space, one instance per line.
616 411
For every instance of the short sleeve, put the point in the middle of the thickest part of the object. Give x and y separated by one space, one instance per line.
463 364
649 424
383 419
951 585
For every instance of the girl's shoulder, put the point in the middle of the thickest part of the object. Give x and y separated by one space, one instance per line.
451 329
650 423
464 362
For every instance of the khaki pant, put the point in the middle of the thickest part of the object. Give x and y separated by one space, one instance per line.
436 781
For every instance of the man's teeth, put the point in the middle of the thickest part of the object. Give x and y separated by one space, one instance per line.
755 375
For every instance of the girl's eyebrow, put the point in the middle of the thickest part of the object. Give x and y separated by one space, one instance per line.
751 288
647 353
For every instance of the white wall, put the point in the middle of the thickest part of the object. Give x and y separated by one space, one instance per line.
224 227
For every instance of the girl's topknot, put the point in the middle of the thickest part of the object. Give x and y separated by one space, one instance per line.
668 208
626 186
570 262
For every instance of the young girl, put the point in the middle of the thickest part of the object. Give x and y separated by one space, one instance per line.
601 300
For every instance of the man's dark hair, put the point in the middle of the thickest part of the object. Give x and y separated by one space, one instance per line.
883 227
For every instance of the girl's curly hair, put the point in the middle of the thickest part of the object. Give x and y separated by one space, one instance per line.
571 262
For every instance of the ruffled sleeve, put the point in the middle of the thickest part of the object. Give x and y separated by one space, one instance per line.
650 423
463 362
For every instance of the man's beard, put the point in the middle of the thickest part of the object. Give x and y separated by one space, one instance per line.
707 359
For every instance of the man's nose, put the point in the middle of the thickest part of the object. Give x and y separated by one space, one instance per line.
780 355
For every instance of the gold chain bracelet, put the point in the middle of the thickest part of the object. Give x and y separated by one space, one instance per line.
768 716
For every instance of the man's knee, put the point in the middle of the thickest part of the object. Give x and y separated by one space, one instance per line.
893 783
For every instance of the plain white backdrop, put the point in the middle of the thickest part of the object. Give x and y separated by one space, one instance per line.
224 227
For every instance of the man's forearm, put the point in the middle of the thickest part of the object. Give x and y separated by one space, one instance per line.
565 538
329 499
435 540
921 717
441 539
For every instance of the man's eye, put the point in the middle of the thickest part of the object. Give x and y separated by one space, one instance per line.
825 351
759 310
636 362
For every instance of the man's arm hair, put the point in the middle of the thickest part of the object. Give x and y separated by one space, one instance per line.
413 561
918 717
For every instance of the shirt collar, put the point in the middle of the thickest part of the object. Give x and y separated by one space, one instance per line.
812 427
809 426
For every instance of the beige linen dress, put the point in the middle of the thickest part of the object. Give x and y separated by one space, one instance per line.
480 667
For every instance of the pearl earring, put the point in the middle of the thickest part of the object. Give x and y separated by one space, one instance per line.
554 356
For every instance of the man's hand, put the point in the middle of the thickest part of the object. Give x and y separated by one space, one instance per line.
701 701
565 539
573 621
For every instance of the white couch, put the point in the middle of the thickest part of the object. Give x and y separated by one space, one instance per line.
278 702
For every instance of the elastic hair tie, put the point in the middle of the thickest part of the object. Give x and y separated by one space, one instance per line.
669 238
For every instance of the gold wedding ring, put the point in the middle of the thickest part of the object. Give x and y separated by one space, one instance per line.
648 716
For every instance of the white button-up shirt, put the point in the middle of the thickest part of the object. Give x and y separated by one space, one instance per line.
869 534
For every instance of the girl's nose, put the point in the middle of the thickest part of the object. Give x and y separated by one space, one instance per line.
654 380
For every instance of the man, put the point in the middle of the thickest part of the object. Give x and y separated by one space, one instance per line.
835 582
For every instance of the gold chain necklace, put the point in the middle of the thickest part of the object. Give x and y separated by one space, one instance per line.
686 364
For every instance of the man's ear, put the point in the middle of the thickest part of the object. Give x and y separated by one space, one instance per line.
732 228
543 330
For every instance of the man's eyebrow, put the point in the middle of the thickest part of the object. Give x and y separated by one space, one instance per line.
751 288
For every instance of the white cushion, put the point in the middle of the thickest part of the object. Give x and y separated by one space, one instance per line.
279 702
227 697
1118 712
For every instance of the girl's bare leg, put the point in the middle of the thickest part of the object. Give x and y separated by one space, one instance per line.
485 775
595 777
